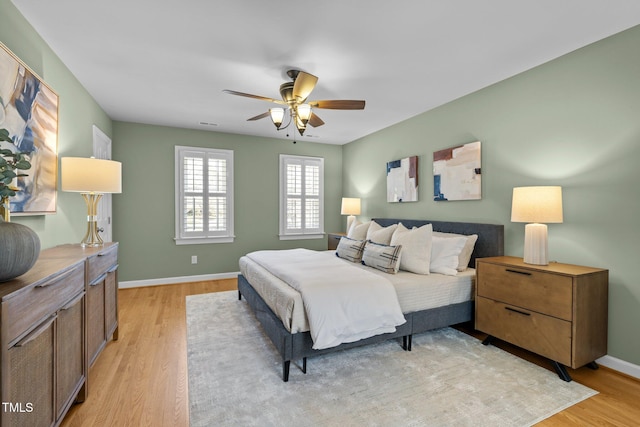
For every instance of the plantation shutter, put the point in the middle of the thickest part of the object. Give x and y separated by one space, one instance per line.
301 196
205 195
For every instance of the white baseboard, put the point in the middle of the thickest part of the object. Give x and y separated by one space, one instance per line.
174 280
620 366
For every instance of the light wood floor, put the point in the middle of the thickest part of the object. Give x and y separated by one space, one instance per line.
141 379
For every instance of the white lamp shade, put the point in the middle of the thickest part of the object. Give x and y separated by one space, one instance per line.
90 175
277 115
537 204
350 206
304 112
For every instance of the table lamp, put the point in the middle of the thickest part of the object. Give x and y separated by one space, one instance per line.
536 206
351 207
92 178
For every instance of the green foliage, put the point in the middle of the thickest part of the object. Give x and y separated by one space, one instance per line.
10 162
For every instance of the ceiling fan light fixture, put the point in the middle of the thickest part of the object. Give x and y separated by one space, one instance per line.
277 115
294 99
300 125
304 113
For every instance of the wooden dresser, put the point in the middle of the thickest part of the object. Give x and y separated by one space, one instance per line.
559 311
54 320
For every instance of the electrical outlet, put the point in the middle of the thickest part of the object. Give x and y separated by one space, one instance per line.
194 259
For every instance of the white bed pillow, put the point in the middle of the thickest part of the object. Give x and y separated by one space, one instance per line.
379 234
465 255
445 252
358 230
383 257
350 249
416 247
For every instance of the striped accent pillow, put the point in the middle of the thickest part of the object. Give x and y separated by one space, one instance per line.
350 249
384 258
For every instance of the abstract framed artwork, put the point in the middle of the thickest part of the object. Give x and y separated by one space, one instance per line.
457 173
29 111
402 180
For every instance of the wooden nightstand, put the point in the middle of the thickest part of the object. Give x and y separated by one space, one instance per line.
558 311
333 240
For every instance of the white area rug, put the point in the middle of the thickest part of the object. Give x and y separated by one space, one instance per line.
449 379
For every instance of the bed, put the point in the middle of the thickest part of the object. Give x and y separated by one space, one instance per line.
282 318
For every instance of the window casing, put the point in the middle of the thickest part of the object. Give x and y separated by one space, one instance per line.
204 184
301 197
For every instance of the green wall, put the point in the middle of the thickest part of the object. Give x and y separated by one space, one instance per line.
77 113
574 122
144 213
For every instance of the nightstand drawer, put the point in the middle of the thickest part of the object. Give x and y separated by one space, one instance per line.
545 293
332 240
544 335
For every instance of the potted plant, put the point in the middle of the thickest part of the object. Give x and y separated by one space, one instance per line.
10 162
19 245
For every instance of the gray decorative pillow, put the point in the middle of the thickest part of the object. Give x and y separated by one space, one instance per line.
384 258
350 249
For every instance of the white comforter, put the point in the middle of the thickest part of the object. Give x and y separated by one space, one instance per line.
343 303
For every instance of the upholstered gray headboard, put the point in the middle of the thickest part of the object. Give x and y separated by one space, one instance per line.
490 236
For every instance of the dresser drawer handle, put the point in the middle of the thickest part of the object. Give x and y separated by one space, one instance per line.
524 273
35 334
517 311
73 302
98 280
56 279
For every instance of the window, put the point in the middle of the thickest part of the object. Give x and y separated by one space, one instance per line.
204 195
301 197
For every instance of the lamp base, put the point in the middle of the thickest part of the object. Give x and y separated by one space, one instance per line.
92 238
536 245
350 220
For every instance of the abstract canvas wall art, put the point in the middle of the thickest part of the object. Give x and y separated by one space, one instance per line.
29 111
402 180
457 173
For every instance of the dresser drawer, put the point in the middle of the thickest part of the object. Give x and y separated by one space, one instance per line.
544 335
100 263
40 300
545 293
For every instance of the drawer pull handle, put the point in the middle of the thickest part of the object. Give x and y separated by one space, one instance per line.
524 273
517 311
56 279
35 334
72 302
98 280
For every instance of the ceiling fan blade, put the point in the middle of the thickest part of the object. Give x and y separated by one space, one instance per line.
248 95
315 121
303 85
259 116
339 104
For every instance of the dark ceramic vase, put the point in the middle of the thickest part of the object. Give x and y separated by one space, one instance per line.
19 249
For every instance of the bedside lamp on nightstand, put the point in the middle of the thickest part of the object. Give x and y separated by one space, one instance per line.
537 206
351 207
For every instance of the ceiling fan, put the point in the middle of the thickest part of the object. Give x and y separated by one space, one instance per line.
294 99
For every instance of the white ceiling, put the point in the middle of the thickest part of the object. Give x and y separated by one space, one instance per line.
166 62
